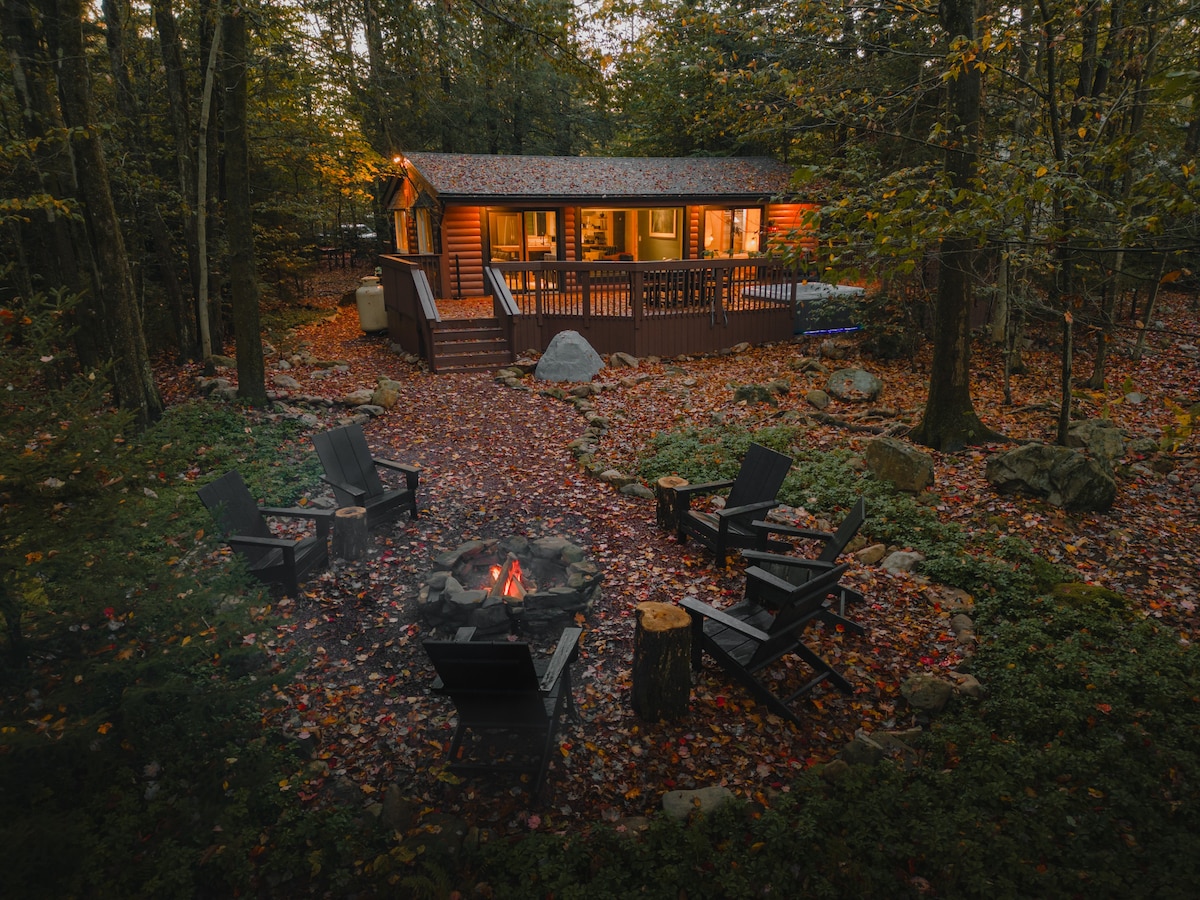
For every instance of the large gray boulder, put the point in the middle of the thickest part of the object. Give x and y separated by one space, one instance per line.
1100 437
568 358
1059 475
908 468
854 384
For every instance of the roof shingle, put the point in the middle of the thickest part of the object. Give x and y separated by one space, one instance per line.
493 178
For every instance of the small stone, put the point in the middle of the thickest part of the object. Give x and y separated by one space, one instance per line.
926 692
902 561
681 804
871 555
967 685
286 382
862 751
834 769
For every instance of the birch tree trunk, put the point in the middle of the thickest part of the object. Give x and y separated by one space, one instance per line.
210 75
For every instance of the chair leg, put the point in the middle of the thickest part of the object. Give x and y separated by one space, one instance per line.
456 741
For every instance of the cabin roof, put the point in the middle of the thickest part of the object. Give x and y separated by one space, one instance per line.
492 179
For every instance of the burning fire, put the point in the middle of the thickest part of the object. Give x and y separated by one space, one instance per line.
507 581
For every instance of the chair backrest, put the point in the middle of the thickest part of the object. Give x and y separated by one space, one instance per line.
492 683
845 533
760 477
346 457
234 508
805 604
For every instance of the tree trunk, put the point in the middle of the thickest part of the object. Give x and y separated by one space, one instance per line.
171 50
48 241
1068 360
247 327
1140 347
999 323
950 421
202 149
1108 317
116 13
132 375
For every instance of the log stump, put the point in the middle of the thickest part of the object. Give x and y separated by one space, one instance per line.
664 495
350 533
662 674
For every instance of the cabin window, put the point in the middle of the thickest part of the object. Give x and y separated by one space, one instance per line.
424 231
400 219
523 236
732 232
541 235
412 224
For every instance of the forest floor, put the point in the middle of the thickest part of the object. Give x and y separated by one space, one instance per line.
495 462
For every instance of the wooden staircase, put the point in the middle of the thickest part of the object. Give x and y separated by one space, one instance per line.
469 345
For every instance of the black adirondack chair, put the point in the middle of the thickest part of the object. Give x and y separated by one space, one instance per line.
351 471
797 569
748 640
244 526
751 496
509 702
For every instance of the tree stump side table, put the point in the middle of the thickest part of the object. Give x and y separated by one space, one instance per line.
662 674
350 533
664 497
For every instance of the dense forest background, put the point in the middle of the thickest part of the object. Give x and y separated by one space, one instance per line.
1052 143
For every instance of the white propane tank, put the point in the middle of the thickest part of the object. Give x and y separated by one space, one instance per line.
371 314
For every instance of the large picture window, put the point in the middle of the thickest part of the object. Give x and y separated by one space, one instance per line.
523 236
732 232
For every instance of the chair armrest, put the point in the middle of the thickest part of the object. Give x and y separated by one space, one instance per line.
791 531
706 488
323 517
356 492
297 512
698 609
799 562
412 474
246 540
568 646
398 466
283 545
734 512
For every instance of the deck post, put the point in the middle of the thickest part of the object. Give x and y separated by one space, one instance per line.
637 294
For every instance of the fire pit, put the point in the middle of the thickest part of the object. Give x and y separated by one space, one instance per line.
510 586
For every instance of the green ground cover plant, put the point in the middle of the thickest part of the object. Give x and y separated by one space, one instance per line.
132 758
140 768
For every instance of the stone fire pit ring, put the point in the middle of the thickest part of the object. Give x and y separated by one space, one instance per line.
562 583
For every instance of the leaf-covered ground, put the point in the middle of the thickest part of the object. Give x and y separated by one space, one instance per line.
496 463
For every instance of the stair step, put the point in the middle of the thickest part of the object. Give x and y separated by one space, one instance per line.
469 345
473 345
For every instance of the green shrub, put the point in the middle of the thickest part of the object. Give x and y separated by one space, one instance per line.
135 764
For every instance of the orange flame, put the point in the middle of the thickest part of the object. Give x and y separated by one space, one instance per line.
514 585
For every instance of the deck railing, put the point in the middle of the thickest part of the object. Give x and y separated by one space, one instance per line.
431 263
665 308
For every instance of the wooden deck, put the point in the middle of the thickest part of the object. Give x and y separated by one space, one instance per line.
665 308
